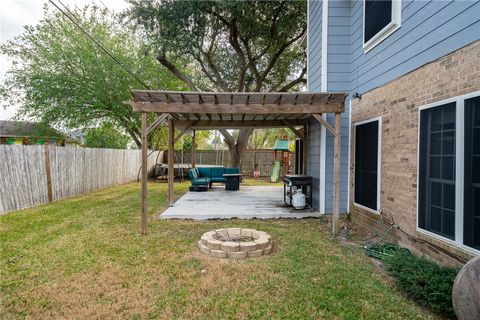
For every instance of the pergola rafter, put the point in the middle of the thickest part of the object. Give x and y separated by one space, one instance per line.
215 110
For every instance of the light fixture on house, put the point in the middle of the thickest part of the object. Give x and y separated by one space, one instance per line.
357 95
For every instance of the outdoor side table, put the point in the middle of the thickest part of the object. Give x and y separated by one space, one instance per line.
232 181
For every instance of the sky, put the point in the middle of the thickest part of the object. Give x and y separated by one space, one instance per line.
15 14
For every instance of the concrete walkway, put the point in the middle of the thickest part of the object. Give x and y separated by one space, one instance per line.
261 202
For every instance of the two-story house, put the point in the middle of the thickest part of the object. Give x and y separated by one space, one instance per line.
411 145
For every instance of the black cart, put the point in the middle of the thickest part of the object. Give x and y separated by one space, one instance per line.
293 182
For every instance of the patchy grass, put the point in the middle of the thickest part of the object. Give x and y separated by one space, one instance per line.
261 182
84 258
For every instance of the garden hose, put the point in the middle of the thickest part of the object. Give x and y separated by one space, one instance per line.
381 250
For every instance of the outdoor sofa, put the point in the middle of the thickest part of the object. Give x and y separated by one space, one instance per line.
202 178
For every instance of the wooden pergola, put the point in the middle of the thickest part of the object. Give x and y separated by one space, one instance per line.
235 110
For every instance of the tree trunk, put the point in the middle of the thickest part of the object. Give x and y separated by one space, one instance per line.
237 148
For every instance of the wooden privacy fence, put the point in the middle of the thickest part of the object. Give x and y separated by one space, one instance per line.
263 158
31 175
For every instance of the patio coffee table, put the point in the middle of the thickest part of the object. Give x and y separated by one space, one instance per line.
232 181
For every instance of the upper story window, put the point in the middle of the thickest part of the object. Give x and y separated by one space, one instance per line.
380 19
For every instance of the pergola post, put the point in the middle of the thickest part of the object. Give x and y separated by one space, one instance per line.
305 148
194 147
336 174
171 168
144 172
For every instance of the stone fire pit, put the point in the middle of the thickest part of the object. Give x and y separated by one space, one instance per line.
235 243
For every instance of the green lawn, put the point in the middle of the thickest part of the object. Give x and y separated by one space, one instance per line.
84 258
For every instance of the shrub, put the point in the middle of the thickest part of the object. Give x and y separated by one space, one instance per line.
423 280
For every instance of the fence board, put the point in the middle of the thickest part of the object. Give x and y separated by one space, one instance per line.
264 160
23 179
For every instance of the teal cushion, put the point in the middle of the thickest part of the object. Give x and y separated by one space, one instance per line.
192 174
217 172
200 181
205 172
232 170
216 179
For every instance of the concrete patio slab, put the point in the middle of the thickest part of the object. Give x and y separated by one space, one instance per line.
261 202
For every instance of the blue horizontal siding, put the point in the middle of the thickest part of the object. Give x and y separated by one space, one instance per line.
314 46
429 31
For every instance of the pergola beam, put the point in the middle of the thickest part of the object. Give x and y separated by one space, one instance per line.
171 132
295 131
182 131
235 124
144 172
160 119
194 146
223 108
336 174
324 123
305 148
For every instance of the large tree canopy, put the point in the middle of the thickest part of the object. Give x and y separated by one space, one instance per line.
227 46
61 77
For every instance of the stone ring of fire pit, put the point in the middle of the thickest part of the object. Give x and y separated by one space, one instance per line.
235 243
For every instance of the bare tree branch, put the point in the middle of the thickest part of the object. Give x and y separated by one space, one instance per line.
175 71
276 56
251 60
217 77
299 80
233 39
218 84
229 140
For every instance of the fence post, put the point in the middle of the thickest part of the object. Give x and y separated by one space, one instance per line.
49 174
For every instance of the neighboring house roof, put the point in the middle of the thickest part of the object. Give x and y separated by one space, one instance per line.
282 145
77 135
26 129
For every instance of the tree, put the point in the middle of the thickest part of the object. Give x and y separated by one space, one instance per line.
227 46
106 136
66 80
159 139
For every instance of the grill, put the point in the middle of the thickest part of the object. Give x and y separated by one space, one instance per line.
293 182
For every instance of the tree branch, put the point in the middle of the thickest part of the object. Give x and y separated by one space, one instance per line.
233 39
251 60
276 56
209 76
218 80
299 80
229 140
175 71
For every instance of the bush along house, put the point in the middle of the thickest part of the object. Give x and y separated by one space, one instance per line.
411 152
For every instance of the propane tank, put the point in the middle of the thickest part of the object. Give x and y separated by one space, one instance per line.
298 200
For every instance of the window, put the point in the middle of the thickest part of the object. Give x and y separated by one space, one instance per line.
380 19
472 173
449 171
437 170
367 164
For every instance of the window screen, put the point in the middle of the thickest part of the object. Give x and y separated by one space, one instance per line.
366 164
378 14
437 170
472 174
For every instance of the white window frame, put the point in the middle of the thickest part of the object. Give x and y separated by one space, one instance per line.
390 28
379 164
459 170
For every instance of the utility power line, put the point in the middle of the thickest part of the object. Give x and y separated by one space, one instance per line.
97 42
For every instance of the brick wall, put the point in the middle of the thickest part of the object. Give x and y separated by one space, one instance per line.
397 103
